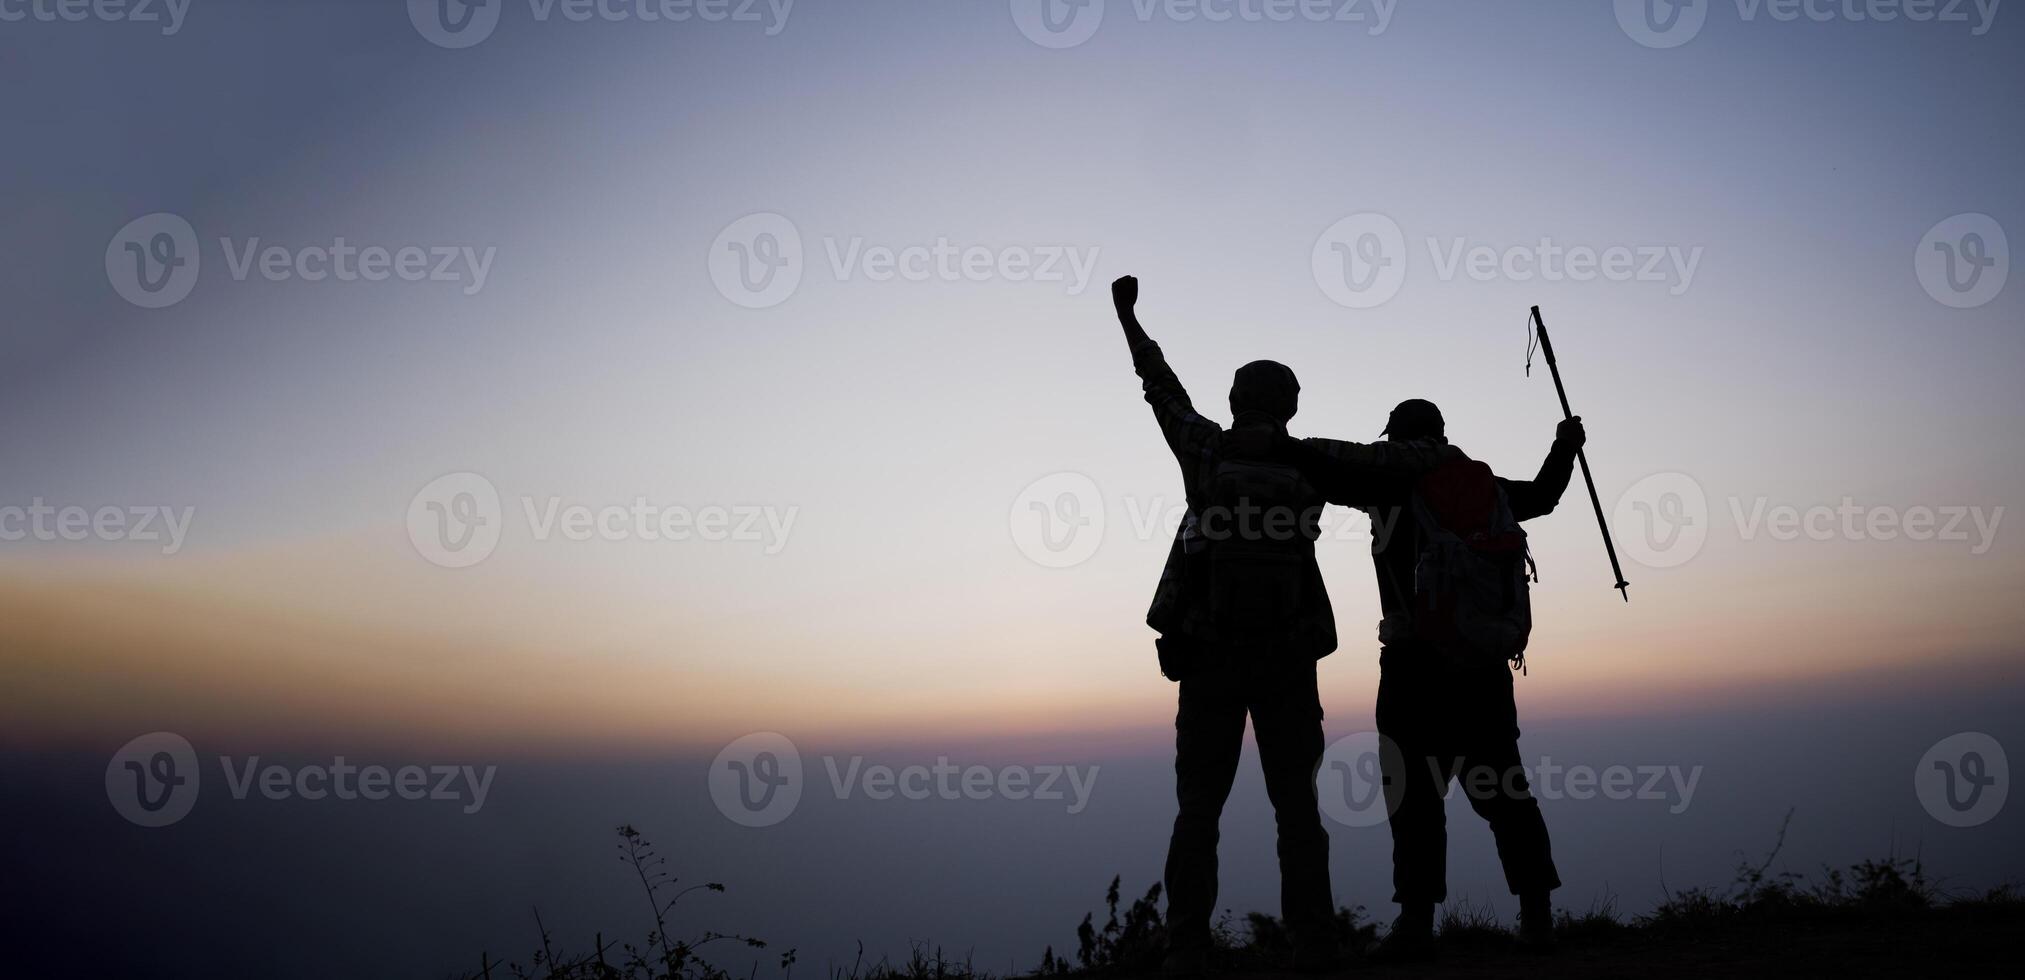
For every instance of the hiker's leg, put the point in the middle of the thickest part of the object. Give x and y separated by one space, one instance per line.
1287 721
1416 778
1209 732
1496 786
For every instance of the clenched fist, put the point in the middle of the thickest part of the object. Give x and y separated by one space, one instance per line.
1125 293
1570 433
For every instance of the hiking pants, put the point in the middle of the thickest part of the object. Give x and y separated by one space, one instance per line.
1452 727
1209 731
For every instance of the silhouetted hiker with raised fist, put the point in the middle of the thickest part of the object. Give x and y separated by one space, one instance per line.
1243 616
1452 581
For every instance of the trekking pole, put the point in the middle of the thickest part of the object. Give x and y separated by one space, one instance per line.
1547 349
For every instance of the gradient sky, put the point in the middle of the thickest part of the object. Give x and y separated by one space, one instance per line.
1804 363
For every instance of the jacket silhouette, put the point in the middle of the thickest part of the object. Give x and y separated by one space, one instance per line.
1448 719
1237 665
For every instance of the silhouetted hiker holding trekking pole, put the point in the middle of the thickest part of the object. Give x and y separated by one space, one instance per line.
1453 572
1243 617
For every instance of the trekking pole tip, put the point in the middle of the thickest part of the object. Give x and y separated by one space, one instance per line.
1624 589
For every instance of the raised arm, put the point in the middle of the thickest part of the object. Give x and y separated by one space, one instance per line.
1187 433
1125 297
1537 497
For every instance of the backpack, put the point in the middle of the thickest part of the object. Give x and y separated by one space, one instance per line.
1470 602
1257 522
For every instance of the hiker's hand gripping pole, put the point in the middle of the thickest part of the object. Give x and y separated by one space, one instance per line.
1547 349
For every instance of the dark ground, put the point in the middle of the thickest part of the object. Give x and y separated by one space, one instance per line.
1948 942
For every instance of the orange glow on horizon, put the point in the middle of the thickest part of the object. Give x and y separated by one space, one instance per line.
87 662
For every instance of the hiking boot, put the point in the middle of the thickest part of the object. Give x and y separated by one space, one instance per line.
1536 924
1188 961
1410 939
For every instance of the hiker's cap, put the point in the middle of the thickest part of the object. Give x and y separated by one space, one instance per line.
1415 418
